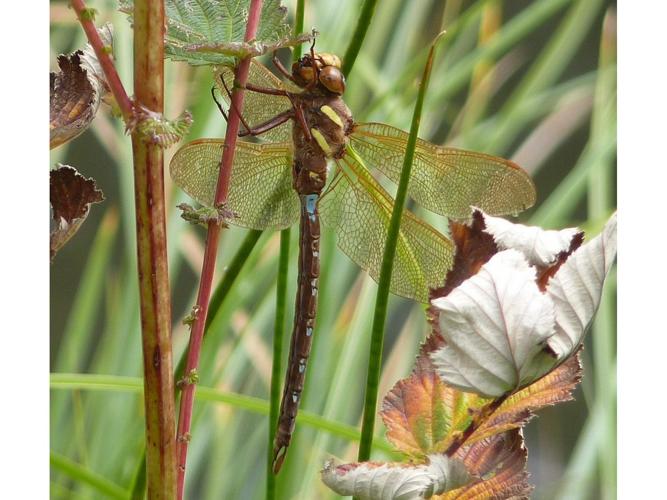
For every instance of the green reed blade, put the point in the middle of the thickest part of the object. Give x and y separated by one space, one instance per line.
380 315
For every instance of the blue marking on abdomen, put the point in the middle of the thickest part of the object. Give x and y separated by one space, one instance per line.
311 202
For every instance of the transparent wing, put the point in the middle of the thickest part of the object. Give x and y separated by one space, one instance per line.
260 189
258 108
446 180
359 210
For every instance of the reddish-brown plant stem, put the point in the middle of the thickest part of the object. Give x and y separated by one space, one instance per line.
110 73
155 304
211 249
154 292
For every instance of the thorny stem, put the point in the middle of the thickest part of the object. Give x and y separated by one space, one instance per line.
110 73
155 304
211 249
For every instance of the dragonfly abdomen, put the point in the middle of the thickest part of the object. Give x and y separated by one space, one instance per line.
304 324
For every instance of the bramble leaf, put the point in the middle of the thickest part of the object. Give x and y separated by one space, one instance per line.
499 465
524 311
576 288
495 325
555 387
423 414
212 31
395 481
540 247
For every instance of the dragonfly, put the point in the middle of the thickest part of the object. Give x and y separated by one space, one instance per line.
316 164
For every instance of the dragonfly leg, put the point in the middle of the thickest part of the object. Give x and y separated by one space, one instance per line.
217 103
279 66
240 115
262 127
316 67
269 124
301 118
266 90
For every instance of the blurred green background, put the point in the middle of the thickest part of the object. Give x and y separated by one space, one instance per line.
534 81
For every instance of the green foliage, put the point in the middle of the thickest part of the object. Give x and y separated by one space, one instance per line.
212 32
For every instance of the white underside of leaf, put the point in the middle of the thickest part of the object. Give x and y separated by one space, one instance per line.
538 245
577 287
395 481
494 324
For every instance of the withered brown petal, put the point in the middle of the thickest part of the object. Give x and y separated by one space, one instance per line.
71 195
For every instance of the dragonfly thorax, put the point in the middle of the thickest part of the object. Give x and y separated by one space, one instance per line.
329 123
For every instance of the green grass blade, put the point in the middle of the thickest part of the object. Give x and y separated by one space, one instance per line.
548 66
579 479
511 34
276 371
83 475
600 204
115 383
138 485
76 336
353 48
217 299
298 26
562 202
380 314
222 290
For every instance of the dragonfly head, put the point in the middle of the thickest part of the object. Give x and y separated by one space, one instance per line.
323 70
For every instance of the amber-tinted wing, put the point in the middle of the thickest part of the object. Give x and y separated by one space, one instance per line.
260 191
446 180
258 108
359 210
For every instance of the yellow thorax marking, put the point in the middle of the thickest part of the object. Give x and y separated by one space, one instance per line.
333 116
322 142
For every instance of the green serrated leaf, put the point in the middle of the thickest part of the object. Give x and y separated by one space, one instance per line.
245 49
212 31
156 129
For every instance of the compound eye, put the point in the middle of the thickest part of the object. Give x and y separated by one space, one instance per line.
333 80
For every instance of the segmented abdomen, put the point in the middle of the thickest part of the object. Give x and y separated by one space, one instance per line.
304 323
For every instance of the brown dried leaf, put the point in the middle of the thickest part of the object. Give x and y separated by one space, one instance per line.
75 92
395 481
499 463
474 248
544 274
74 100
71 195
423 415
